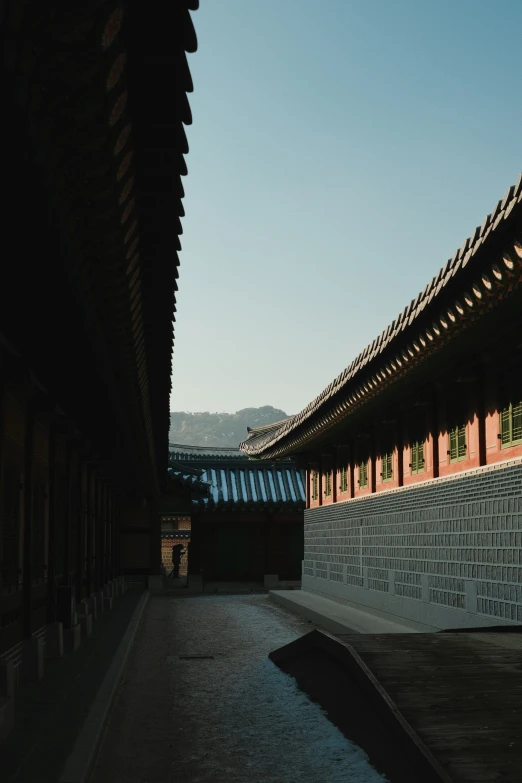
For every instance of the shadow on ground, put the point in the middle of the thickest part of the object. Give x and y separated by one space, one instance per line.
327 683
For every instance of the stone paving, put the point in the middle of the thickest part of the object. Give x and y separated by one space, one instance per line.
201 702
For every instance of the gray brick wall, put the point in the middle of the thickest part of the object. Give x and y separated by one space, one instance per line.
451 543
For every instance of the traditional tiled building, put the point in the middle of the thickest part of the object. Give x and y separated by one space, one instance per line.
94 99
246 516
414 453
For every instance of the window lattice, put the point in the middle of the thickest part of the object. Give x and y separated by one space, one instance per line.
328 483
417 457
344 479
315 485
511 424
457 439
387 469
363 475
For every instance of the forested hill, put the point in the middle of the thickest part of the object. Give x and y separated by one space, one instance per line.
221 430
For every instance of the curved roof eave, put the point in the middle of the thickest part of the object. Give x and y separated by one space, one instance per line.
471 280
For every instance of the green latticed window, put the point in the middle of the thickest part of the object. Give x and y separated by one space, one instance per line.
363 475
457 443
387 469
315 485
511 425
344 479
328 483
417 457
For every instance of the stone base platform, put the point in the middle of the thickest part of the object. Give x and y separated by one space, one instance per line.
342 616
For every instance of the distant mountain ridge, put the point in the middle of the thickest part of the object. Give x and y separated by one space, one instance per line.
221 430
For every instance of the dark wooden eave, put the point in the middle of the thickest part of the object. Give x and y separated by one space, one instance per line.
96 99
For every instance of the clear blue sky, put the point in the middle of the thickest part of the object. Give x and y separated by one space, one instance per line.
341 151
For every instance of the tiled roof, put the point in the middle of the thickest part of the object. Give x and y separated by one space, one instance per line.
255 486
186 476
180 451
485 270
240 484
254 431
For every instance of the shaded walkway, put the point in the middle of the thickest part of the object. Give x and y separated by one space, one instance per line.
50 714
201 702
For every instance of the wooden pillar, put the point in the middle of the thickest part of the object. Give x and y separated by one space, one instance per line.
400 445
81 524
110 531
351 471
2 491
434 427
91 530
60 511
28 526
71 513
115 545
105 512
99 533
104 545
335 475
481 385
86 549
155 523
372 456
54 521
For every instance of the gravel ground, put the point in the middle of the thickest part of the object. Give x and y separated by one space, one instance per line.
232 718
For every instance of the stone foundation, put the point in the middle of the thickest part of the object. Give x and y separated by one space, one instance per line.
445 553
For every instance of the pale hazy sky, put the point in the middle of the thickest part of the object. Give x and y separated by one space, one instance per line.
341 151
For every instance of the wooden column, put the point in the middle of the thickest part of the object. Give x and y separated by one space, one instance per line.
72 513
400 445
91 530
103 523
81 527
115 544
434 426
54 520
483 371
110 531
351 471
155 523
99 533
335 475
28 527
372 456
2 495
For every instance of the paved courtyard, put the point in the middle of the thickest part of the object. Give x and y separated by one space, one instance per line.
201 702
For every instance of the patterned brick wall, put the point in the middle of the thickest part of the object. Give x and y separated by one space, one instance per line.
166 555
452 542
169 525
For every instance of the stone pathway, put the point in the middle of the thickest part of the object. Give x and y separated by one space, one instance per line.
201 702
